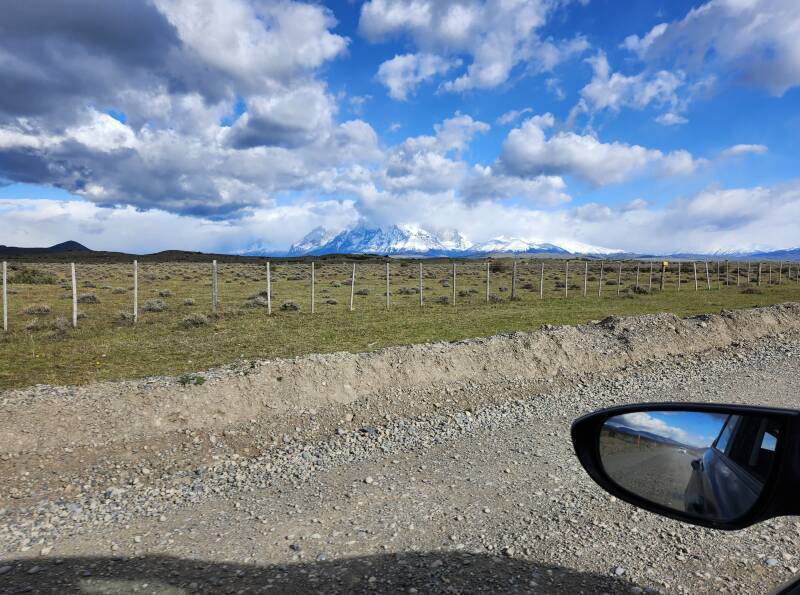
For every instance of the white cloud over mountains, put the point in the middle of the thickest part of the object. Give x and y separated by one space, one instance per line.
714 219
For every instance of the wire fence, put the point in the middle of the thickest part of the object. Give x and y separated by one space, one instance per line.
136 290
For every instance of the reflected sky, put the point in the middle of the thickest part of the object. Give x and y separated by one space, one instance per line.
692 428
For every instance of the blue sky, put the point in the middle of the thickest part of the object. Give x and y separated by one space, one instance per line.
693 428
226 126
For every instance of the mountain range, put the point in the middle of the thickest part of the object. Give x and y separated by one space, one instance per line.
414 240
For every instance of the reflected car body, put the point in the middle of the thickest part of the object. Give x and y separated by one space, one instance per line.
729 476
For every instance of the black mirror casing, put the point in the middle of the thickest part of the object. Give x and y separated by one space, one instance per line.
778 498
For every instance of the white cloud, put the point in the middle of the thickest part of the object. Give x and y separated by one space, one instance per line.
496 36
404 73
640 45
527 151
513 115
736 150
613 90
671 119
754 41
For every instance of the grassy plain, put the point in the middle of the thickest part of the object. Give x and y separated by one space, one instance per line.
42 347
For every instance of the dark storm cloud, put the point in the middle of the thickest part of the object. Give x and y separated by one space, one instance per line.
57 57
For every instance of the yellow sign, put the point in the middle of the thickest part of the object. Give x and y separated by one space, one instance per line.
665 264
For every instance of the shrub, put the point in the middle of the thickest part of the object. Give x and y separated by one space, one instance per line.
335 284
33 325
124 316
188 379
154 306
188 302
119 290
442 299
256 302
407 291
165 293
194 320
88 298
751 291
495 299
89 285
31 276
58 329
331 302
289 307
362 291
37 309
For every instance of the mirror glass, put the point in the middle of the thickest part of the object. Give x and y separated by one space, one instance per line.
709 465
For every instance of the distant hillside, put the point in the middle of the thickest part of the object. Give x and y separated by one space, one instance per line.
69 246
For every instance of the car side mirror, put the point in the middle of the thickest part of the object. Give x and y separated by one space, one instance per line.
720 466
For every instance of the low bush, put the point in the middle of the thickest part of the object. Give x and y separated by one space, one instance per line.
194 320
31 276
37 309
154 306
188 302
165 293
289 307
88 298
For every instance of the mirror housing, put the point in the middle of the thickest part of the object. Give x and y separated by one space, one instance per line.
780 487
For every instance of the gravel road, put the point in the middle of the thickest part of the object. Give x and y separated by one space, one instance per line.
476 499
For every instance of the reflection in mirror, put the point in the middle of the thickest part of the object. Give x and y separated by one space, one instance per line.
710 465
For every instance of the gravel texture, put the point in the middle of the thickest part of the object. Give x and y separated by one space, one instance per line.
467 485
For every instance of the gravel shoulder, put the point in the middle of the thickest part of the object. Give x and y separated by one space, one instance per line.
457 486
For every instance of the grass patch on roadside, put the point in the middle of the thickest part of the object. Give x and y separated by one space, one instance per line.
183 336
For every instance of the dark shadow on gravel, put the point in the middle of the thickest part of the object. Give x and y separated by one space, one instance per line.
429 572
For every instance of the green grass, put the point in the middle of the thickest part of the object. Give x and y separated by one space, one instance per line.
104 347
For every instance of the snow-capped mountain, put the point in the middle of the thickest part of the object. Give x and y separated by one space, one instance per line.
414 240
319 236
516 245
394 239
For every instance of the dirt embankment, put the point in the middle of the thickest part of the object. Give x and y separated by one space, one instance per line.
44 418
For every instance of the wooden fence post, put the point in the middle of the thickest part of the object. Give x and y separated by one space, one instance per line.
420 282
269 291
708 278
780 273
650 281
541 283
387 285
454 283
600 284
770 274
135 291
312 286
74 296
585 277
213 286
353 285
566 280
488 278
663 275
638 265
514 279
619 278
719 279
758 275
695 275
748 273
738 264
679 275
5 296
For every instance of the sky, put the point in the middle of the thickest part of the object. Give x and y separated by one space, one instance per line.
693 428
660 126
